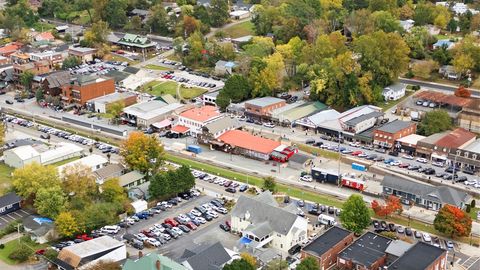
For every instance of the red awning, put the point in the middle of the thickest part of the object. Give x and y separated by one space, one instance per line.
179 129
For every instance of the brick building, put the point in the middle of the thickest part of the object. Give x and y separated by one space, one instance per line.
386 135
53 57
367 252
443 146
261 108
327 246
84 88
422 256
37 68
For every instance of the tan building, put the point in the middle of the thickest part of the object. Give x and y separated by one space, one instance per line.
85 54
84 88
262 107
469 118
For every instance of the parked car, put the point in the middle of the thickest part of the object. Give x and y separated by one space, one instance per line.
224 227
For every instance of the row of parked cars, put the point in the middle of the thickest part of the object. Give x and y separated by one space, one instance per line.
97 67
230 186
169 75
382 226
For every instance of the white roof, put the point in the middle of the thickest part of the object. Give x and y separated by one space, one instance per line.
64 149
94 246
411 139
150 109
113 97
319 118
239 12
90 161
25 152
139 205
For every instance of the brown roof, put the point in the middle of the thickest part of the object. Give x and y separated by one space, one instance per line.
69 257
455 139
474 104
438 97
58 79
246 140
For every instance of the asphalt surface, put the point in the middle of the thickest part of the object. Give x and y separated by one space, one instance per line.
433 86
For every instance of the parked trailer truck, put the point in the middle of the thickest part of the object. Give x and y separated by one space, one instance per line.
194 149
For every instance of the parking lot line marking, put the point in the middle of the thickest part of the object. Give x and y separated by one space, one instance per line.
6 220
471 265
11 217
17 214
26 213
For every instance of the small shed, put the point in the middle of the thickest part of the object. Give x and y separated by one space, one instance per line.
300 161
139 205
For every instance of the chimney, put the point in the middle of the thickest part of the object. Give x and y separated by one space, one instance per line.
158 265
140 254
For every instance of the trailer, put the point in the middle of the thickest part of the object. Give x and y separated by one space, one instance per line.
324 175
194 149
350 181
359 167
283 153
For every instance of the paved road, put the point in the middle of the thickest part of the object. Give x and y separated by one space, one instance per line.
437 86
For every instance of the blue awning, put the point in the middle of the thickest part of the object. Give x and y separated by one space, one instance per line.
245 240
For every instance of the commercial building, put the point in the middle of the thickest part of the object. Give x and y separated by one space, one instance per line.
261 108
263 223
83 53
239 14
10 48
243 143
468 156
133 42
314 121
394 92
20 156
424 195
60 152
408 143
101 104
196 118
288 114
367 252
210 98
144 114
84 88
422 256
9 202
152 261
442 146
386 135
211 257
36 68
215 129
469 117
84 255
326 247
53 82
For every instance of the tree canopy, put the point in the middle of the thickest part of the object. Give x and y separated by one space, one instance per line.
142 152
453 221
239 264
355 215
434 122
309 263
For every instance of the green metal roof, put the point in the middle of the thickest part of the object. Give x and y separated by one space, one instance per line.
148 262
307 109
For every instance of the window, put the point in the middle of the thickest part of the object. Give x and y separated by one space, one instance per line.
474 156
458 152
465 154
435 148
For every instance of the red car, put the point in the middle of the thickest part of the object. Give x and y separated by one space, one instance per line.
40 252
356 153
84 237
404 165
171 221
147 233
191 226
227 184
228 223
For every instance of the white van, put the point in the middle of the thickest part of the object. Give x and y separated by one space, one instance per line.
114 229
326 220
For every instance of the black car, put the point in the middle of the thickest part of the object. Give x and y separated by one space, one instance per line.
309 141
375 224
207 217
301 203
173 202
394 154
166 226
314 210
331 210
408 231
429 171
231 190
45 136
184 228
224 227
383 225
137 245
461 179
9 102
20 100
323 208
468 171
318 144
451 169
184 196
392 227
171 233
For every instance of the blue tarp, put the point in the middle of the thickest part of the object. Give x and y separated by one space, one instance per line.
245 240
41 220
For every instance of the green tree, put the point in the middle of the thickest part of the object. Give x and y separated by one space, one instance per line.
158 20
270 184
453 221
385 21
184 178
39 94
116 108
66 225
70 62
218 12
277 264
249 258
32 177
26 79
309 263
161 186
237 88
434 122
79 180
143 153
85 5
239 264
96 35
112 191
355 215
21 253
135 23
423 13
105 265
51 254
50 201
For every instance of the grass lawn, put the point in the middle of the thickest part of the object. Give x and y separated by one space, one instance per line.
240 30
63 162
10 246
155 67
473 213
389 104
5 177
318 151
169 87
114 57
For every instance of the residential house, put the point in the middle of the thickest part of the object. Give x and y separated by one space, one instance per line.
239 14
422 256
10 48
449 72
4 60
326 247
44 36
263 223
9 202
261 108
242 40
142 13
394 92
84 88
84 255
20 57
424 195
40 229
108 172
244 143
131 179
440 146
144 114
367 252
50 56
92 162
83 53
407 24
224 67
211 257
196 118
53 82
386 135
152 261
443 43
101 104
215 129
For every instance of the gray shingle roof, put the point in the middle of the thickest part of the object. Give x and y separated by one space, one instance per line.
326 241
394 126
212 257
58 79
9 199
362 118
221 124
441 194
260 230
263 208
419 257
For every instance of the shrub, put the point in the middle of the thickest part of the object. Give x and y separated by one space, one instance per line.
50 254
472 204
390 235
2 246
469 208
21 253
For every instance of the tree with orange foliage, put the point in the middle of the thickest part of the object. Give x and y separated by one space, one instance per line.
142 152
462 92
453 221
392 205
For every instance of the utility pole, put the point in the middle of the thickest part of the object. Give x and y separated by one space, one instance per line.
339 157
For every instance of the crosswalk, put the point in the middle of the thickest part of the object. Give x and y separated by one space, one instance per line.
470 262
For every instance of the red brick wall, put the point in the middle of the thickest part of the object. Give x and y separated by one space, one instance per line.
379 135
88 91
329 258
263 111
438 263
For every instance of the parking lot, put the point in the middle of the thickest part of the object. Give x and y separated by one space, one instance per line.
10 217
97 68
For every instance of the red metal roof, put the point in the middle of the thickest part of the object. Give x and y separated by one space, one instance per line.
44 36
438 97
246 140
455 139
180 129
201 114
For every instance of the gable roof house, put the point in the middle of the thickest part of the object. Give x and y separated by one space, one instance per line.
40 229
395 91
152 261
9 202
263 223
44 36
213 257
53 82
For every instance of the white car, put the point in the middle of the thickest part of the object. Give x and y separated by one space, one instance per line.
221 182
438 164
422 160
269 125
395 163
409 157
177 230
141 237
195 193
200 220
153 242
213 214
207 207
221 210
426 237
306 178
196 213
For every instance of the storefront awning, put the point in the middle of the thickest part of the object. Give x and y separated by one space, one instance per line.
437 156
162 124
180 129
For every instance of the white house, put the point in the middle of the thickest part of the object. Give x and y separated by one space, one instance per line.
93 162
195 119
139 205
263 223
20 156
84 255
224 67
239 14
407 24
394 91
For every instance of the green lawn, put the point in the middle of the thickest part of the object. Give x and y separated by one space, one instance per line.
240 30
63 162
114 57
318 151
473 213
389 104
10 246
155 67
158 88
5 177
